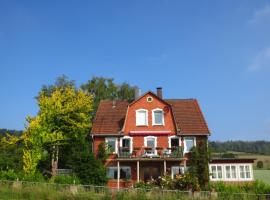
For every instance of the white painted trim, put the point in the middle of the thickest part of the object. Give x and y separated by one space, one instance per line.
145 116
116 142
149 137
131 142
185 146
153 117
237 166
150 131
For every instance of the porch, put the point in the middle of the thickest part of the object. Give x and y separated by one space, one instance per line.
125 172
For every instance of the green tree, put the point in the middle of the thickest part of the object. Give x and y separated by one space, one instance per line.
104 88
199 160
63 116
85 165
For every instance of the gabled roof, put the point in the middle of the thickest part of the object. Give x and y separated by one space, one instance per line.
110 117
188 117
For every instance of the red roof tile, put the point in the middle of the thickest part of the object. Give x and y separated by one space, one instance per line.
187 114
110 117
188 117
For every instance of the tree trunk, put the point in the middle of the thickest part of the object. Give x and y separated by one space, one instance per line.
55 155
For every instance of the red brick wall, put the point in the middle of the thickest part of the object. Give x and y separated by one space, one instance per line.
130 123
96 142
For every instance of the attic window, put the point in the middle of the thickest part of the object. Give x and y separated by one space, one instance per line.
149 99
158 117
141 117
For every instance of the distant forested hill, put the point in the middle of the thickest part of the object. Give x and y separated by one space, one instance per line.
13 132
258 147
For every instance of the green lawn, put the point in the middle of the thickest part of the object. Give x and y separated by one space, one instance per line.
263 175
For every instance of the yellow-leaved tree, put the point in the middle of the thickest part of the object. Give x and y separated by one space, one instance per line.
64 116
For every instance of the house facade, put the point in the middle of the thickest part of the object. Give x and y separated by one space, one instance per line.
148 137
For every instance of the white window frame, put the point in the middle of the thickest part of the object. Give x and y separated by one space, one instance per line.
145 143
237 168
173 137
225 172
153 117
250 171
222 172
131 142
172 175
146 117
116 143
185 146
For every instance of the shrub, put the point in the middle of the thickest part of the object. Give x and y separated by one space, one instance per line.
145 185
36 177
186 182
65 179
9 175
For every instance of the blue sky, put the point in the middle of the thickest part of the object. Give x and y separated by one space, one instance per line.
215 51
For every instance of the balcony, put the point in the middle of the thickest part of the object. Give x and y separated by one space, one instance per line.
149 152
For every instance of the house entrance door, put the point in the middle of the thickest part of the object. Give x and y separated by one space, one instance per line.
151 172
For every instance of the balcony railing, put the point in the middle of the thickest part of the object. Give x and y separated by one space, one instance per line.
149 152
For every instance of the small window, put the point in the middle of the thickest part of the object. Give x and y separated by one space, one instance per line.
111 144
233 170
177 170
228 172
158 117
216 172
149 99
245 172
125 172
141 118
189 143
150 144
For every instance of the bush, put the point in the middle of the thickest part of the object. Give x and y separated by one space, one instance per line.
65 179
37 177
9 175
145 185
186 182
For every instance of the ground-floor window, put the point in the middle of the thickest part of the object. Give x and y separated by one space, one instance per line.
125 172
177 170
230 172
216 171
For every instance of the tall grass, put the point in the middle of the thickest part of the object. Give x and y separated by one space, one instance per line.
44 191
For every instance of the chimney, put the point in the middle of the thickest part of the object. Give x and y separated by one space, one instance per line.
159 92
137 92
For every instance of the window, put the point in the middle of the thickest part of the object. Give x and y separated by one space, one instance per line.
126 144
150 142
216 172
189 143
141 117
125 172
111 144
158 117
230 171
177 170
245 172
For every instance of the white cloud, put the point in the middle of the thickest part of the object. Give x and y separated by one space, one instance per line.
260 61
260 16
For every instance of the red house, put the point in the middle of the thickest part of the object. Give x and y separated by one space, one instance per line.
148 137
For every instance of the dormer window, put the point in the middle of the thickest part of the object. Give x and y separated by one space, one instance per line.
158 117
141 117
